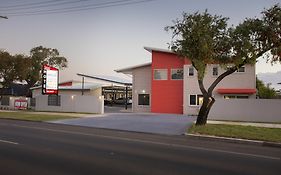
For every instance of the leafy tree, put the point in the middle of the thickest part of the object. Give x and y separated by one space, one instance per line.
39 56
12 68
205 39
265 91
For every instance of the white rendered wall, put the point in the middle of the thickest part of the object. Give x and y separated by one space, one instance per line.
250 110
72 103
141 85
239 80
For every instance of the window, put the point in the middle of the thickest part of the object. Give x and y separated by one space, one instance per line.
33 102
5 101
235 96
143 99
160 74
191 71
229 97
195 100
176 74
242 96
199 99
241 69
53 100
215 71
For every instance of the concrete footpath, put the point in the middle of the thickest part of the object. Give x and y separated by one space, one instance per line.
266 125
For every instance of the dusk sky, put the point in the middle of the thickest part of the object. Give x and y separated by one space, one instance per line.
97 41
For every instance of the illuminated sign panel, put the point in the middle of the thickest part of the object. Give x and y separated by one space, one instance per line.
50 80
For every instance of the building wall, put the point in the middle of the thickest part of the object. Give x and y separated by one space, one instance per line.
239 80
167 95
249 110
72 103
141 85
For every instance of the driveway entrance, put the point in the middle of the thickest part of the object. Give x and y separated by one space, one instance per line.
170 124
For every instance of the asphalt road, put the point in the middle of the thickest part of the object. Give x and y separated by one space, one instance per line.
44 148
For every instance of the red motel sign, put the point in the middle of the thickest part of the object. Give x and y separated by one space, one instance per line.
50 80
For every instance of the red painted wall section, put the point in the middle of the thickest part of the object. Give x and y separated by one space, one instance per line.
66 84
166 95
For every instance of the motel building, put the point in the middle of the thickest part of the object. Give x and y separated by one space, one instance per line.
168 84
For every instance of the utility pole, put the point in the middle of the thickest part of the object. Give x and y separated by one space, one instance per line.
4 17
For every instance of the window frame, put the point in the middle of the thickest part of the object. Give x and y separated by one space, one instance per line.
175 69
160 70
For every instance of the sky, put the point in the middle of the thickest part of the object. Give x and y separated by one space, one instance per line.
97 41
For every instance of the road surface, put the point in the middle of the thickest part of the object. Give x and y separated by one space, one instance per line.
35 148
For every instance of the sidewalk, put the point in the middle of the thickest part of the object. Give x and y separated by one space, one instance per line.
266 125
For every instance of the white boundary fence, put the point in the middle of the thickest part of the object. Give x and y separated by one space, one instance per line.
250 110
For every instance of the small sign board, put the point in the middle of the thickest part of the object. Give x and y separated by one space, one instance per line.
50 80
20 104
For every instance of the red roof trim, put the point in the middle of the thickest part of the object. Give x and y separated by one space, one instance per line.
236 91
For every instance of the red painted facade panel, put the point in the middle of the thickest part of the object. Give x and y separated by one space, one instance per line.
166 95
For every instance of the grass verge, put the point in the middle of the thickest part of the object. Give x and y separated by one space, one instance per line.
33 117
237 131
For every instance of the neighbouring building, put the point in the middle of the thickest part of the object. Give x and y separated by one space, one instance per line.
82 96
168 84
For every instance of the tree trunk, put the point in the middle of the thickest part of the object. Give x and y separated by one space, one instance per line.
208 102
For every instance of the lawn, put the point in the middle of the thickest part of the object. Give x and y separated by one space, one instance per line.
237 131
33 117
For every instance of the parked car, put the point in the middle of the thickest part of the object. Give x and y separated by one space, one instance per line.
122 101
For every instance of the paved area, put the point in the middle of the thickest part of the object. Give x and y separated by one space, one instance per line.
169 124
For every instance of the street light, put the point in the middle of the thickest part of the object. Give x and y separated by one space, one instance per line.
5 17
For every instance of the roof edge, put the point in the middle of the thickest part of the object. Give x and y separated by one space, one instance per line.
129 69
150 49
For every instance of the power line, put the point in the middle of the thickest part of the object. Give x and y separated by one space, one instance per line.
80 8
57 3
29 4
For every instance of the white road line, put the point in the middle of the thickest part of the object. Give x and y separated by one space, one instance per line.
6 141
150 142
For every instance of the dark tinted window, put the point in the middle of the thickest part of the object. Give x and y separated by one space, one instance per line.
143 99
53 100
192 99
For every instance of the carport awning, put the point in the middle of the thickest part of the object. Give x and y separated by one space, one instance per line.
236 91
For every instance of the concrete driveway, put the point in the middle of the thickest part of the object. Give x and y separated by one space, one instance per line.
169 124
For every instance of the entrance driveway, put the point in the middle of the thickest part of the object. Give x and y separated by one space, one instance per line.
170 124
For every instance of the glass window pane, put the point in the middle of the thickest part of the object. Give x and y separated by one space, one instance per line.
199 99
177 74
190 71
160 74
192 99
242 96
241 69
215 71
53 100
229 97
143 99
